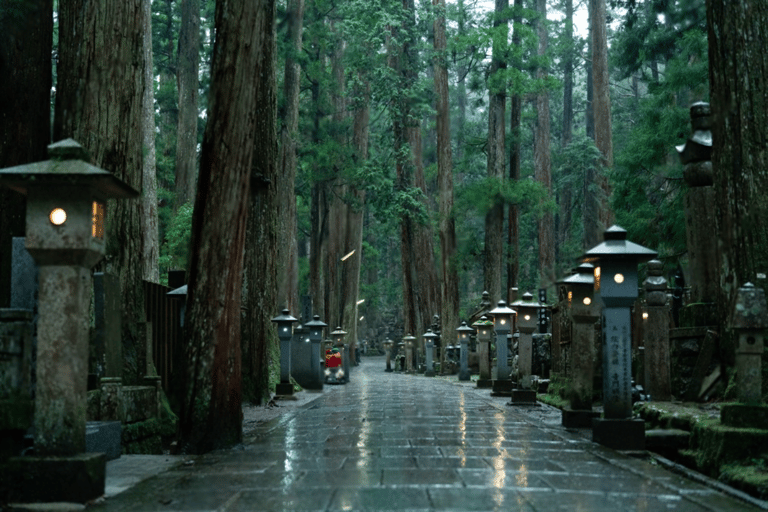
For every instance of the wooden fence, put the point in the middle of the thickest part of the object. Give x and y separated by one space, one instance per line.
165 315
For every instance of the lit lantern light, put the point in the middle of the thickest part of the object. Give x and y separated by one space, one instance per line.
618 278
97 228
587 301
645 315
597 279
58 216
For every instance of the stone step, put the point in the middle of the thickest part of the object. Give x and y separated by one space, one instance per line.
666 438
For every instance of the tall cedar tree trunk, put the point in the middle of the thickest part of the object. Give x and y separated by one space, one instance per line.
494 219
100 93
354 220
25 106
338 244
738 74
186 79
591 211
565 199
168 114
515 119
260 346
211 415
601 105
319 209
288 259
449 291
542 160
149 219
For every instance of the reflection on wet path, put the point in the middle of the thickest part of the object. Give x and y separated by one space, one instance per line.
388 441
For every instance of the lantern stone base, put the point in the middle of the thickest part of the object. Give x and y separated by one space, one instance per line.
579 418
624 434
284 389
502 387
523 397
76 479
744 415
484 383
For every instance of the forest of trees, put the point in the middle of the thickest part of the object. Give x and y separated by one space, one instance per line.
390 159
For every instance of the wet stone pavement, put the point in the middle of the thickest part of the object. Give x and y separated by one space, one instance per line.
388 441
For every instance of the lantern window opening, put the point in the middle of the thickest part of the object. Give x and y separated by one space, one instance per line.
57 216
587 301
97 230
618 278
527 317
597 278
645 315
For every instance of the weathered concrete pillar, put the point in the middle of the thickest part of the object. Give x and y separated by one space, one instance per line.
658 381
749 320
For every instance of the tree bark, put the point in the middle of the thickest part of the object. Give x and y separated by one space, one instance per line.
565 199
738 73
186 77
591 207
260 345
211 415
542 160
494 219
602 109
149 221
100 93
515 118
288 260
449 291
25 95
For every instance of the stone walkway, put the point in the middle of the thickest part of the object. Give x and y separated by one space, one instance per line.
388 441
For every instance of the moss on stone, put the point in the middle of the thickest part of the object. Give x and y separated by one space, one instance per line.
751 478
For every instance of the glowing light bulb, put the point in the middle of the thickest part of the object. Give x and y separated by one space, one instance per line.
587 301
58 216
619 278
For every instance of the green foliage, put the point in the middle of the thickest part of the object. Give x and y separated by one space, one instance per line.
175 249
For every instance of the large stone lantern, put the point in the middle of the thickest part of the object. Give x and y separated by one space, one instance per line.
527 322
503 318
484 328
316 327
584 313
429 348
284 322
617 259
463 333
66 208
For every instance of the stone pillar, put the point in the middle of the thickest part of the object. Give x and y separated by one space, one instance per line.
62 361
388 352
408 356
749 320
695 155
658 381
106 345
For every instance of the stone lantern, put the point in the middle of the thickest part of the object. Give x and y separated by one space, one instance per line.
616 261
316 327
464 332
749 320
66 206
584 313
408 341
338 341
284 323
388 352
484 328
527 323
429 347
503 318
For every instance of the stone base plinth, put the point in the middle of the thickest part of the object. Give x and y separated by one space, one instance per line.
284 389
744 415
627 434
579 418
429 373
484 383
523 397
76 479
502 388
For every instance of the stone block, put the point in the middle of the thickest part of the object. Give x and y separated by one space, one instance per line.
104 437
23 277
137 403
523 397
619 434
76 478
484 383
662 439
718 444
284 389
502 387
143 437
744 416
578 418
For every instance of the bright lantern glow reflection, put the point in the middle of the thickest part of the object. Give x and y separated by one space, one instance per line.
58 216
